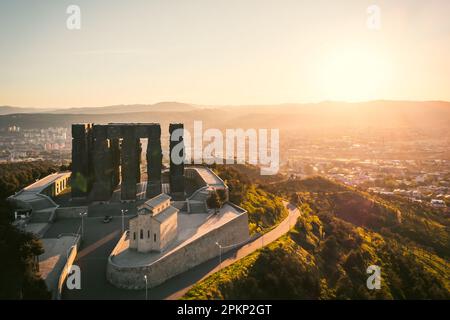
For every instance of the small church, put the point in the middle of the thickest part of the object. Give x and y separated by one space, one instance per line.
155 226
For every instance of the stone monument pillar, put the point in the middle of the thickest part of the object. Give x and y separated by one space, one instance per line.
176 177
154 161
115 155
102 165
129 161
138 159
81 177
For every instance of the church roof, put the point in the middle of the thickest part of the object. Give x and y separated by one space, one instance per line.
165 214
155 201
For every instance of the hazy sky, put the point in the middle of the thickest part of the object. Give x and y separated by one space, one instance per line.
222 52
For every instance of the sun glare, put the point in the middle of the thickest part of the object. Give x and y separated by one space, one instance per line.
353 74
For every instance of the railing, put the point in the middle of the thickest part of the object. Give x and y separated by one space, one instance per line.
232 246
191 198
71 255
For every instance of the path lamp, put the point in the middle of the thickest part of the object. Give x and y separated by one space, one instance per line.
146 287
124 212
82 215
220 253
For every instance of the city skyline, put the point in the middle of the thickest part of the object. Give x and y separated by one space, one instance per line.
222 53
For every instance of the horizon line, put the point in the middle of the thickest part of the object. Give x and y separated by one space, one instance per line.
227 105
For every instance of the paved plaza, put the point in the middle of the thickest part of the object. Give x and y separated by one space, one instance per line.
191 227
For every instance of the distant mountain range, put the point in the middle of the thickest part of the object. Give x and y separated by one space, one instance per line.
161 106
312 116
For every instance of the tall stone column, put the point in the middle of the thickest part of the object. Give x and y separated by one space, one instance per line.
138 159
115 154
81 177
154 161
102 164
176 177
129 161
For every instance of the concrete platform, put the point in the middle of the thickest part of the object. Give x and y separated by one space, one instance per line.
52 261
191 226
195 243
36 228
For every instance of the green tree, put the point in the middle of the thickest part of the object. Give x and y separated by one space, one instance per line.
19 266
295 199
222 195
214 201
19 277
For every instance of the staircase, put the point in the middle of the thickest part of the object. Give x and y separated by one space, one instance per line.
42 216
197 202
40 203
197 207
42 207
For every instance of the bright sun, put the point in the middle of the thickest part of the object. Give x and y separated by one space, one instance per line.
353 74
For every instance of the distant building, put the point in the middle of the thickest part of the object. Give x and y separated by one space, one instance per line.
438 203
155 225
421 178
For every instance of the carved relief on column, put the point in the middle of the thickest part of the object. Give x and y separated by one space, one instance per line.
102 165
129 161
138 159
81 177
115 155
176 177
154 161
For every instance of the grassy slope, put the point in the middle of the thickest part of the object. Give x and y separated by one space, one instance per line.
264 208
326 255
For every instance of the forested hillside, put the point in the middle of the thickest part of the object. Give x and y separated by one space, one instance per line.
264 208
19 278
15 176
340 233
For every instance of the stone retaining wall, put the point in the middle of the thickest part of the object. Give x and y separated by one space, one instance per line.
190 255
